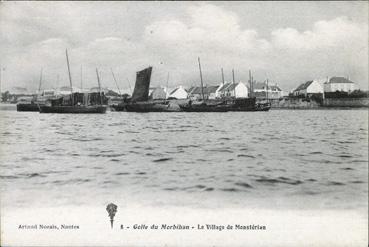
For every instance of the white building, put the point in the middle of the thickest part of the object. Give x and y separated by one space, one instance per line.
309 87
339 84
66 90
230 89
19 91
158 93
208 91
262 90
178 93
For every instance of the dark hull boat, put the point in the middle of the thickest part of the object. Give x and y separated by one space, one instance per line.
118 107
205 107
140 98
225 105
140 95
77 103
147 106
28 107
248 104
151 106
262 107
73 109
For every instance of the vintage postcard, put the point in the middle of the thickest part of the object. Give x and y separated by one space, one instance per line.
184 123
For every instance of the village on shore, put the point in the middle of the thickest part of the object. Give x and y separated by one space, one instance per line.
330 92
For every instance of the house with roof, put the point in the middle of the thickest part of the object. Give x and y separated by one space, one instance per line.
210 92
105 90
158 93
66 90
309 88
19 91
178 93
340 84
229 89
262 90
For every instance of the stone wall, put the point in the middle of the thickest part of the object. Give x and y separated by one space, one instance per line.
294 103
346 102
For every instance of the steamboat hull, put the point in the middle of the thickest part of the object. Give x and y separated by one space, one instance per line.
255 108
73 109
118 107
204 108
150 107
28 107
248 104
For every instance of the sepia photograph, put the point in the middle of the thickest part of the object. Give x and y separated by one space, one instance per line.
184 123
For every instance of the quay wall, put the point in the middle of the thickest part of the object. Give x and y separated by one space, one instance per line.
346 102
294 103
303 103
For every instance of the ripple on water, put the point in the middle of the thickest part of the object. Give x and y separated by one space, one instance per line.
347 169
246 156
334 183
71 181
243 184
122 173
280 180
230 189
8 177
162 160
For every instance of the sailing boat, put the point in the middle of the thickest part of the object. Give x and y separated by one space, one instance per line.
76 102
249 104
34 103
204 105
139 102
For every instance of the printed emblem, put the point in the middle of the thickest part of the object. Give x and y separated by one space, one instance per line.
112 209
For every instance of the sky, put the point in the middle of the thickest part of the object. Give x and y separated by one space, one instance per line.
287 43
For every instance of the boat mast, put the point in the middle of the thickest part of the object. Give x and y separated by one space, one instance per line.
116 83
39 85
234 86
57 81
222 78
202 86
98 81
167 86
81 79
267 84
250 81
70 77
129 84
1 95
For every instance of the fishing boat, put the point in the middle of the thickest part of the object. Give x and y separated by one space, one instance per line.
77 102
27 104
73 109
224 104
151 106
140 102
33 103
262 106
205 106
248 104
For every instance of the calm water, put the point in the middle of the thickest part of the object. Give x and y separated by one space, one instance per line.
282 158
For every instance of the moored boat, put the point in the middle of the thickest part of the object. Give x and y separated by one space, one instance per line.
248 104
32 103
73 109
204 106
28 107
77 102
140 102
